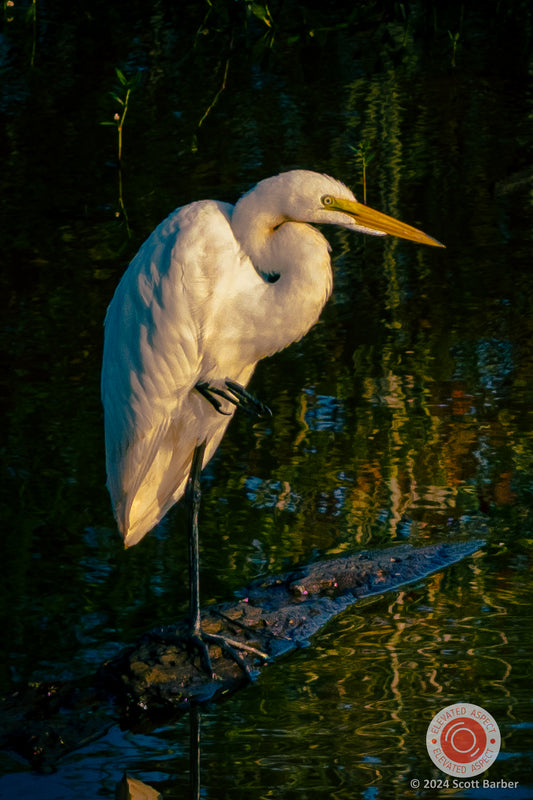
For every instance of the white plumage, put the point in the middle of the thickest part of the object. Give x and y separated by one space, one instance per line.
214 289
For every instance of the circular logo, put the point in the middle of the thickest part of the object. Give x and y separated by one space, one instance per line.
463 739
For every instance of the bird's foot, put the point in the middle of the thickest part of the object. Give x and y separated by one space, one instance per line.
209 393
247 401
197 642
236 395
231 647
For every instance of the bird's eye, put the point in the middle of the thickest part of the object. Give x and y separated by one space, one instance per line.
327 200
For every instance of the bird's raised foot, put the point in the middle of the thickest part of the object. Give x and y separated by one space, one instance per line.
209 393
236 395
247 401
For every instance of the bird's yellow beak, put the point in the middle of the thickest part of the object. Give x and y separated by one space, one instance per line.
376 221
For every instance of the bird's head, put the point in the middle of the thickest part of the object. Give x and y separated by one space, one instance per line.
305 196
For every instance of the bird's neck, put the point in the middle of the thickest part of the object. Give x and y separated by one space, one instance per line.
253 226
299 255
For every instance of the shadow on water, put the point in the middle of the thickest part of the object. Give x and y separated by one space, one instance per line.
404 415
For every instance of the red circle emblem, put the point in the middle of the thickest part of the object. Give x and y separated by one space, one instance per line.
463 740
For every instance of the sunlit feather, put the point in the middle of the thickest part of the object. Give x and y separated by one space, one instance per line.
196 306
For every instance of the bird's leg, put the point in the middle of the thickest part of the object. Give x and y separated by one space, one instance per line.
193 496
237 396
196 636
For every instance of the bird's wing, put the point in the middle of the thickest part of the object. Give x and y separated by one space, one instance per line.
153 356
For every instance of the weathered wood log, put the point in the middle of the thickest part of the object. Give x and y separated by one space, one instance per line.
159 676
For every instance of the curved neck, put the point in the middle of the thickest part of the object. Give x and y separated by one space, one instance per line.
295 251
253 225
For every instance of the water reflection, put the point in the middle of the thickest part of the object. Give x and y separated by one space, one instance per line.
356 704
349 712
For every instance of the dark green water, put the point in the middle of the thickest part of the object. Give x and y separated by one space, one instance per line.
405 415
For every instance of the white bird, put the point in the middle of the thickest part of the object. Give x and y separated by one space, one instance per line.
213 290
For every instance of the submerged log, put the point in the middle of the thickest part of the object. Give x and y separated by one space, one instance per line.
159 676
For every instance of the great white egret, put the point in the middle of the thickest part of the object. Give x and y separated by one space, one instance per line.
213 290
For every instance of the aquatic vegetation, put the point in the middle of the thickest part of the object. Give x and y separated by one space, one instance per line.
454 39
122 97
364 156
